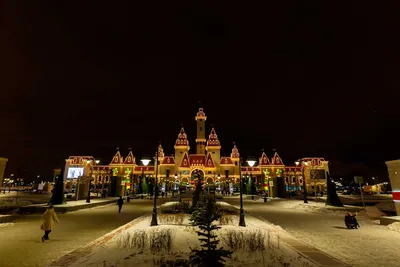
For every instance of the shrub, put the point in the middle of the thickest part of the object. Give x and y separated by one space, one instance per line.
249 240
155 241
160 241
174 218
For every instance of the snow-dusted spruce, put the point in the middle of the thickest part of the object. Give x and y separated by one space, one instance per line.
203 216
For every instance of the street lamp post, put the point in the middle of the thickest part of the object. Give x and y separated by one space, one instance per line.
241 218
90 177
304 178
251 161
154 215
145 161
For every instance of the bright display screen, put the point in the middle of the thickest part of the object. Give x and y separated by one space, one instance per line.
74 173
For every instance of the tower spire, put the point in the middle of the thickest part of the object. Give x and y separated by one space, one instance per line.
201 138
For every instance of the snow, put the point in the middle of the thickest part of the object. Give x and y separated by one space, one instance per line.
316 207
6 224
324 230
394 227
124 248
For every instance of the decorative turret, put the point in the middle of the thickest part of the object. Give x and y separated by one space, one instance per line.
235 152
181 146
201 127
214 147
160 152
182 140
213 140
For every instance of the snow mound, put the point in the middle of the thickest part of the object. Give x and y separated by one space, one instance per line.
372 212
394 227
6 224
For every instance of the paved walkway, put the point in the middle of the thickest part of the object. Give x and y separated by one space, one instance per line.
20 243
314 232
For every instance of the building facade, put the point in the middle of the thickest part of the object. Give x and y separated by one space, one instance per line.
206 163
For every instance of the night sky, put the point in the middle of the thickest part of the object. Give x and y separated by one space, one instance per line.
317 79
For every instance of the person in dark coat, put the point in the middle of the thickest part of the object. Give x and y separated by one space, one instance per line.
120 202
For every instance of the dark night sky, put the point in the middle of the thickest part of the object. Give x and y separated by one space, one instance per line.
316 79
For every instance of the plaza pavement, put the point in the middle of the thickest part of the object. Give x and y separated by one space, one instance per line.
370 245
20 243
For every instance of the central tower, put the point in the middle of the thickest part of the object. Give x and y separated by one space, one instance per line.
201 137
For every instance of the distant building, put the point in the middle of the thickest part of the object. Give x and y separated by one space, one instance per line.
215 171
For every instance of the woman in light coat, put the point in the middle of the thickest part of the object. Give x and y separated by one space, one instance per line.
49 217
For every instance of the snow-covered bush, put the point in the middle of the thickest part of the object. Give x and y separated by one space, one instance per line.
175 207
247 240
172 218
154 241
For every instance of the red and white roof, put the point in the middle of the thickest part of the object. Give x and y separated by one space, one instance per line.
130 159
213 139
197 160
168 161
209 161
276 160
182 139
235 152
117 159
226 161
264 160
185 161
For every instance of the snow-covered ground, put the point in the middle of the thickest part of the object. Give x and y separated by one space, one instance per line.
130 247
372 244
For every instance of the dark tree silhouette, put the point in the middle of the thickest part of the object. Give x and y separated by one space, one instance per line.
332 198
197 192
58 192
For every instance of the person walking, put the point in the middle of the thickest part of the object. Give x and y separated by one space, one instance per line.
120 202
49 217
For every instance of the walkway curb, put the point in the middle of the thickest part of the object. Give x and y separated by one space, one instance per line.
8 218
35 209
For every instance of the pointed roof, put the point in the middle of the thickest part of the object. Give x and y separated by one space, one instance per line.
160 151
235 152
226 161
213 139
185 161
117 159
276 160
264 160
209 161
130 159
182 139
168 161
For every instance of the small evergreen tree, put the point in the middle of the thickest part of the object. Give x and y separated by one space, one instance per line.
58 192
196 194
332 198
249 186
144 186
203 216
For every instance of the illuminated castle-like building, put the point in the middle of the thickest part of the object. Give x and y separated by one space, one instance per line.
184 168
